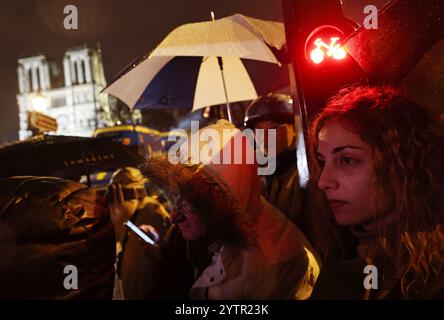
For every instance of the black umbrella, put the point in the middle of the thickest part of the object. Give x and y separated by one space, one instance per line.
406 29
64 156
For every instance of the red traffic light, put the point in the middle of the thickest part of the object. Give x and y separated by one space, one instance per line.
324 42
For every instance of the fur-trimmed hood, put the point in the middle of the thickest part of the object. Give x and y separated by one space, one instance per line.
210 197
225 196
281 263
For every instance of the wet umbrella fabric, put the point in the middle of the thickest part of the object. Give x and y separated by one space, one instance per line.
406 29
185 69
64 156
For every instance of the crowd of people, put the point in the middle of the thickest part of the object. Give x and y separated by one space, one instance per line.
221 231
374 199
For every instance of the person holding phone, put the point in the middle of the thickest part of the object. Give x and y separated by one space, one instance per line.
129 203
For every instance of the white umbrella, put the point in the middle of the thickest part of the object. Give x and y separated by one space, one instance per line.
205 48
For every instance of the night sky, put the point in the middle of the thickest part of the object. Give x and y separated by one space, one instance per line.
125 29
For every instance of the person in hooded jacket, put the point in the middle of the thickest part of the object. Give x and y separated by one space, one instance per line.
241 246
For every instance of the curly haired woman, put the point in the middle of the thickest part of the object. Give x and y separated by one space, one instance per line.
380 165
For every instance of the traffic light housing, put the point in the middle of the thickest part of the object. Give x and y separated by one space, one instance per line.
315 31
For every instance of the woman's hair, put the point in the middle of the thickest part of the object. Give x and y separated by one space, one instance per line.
408 151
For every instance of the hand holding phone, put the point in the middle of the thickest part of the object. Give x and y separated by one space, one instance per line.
152 238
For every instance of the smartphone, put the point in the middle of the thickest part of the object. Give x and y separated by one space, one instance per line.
141 234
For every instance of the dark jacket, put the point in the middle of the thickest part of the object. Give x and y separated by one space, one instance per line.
343 279
144 279
283 189
47 224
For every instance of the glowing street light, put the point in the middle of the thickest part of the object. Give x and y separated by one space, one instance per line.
39 103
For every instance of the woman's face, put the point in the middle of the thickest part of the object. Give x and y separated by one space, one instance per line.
347 175
190 224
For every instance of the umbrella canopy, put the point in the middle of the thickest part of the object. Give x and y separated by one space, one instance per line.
234 36
425 82
63 156
197 82
406 50
185 69
406 29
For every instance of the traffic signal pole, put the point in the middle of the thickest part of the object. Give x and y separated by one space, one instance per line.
301 127
301 17
313 26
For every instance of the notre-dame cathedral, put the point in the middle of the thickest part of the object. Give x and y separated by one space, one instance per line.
73 97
